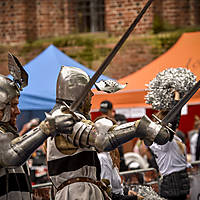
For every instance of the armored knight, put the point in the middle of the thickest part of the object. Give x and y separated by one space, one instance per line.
73 165
15 150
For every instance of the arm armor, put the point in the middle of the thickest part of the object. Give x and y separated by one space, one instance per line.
16 151
85 135
112 139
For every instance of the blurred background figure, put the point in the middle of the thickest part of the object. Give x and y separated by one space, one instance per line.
193 138
146 153
110 161
181 135
197 151
106 108
195 127
30 125
135 161
38 167
120 118
108 119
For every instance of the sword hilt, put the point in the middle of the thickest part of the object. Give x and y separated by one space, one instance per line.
67 110
167 126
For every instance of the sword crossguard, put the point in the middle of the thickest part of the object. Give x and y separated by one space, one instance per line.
67 110
168 126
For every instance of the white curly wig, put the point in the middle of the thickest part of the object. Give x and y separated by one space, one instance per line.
161 89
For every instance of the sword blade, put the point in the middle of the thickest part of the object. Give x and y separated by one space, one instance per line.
109 58
177 108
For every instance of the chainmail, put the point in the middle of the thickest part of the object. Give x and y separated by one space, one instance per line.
147 192
161 89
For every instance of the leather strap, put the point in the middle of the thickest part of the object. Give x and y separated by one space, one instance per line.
102 186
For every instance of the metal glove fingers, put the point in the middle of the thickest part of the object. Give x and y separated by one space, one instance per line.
64 123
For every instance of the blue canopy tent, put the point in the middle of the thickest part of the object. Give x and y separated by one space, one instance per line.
40 94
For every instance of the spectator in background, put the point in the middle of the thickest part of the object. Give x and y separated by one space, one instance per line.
29 125
110 161
197 152
135 161
193 136
146 153
181 135
107 111
120 118
196 127
108 121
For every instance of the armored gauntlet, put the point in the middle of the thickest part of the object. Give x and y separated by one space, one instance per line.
57 124
151 132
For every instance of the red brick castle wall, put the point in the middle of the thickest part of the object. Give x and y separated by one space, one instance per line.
25 20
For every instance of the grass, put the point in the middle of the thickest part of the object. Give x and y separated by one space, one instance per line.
90 47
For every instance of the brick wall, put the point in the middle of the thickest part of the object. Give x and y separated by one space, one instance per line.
22 20
121 13
194 12
30 20
174 11
12 21
50 18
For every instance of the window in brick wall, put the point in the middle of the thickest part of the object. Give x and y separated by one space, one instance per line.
89 15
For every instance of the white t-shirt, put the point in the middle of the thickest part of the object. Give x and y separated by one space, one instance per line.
169 157
103 125
110 173
107 170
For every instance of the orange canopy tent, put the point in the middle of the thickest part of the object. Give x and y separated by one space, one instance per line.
185 53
